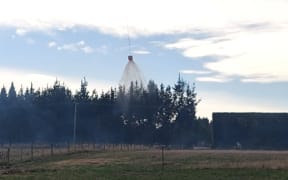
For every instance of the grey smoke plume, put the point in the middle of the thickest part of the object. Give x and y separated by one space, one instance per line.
132 74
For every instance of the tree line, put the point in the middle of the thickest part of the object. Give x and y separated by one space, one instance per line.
155 114
250 130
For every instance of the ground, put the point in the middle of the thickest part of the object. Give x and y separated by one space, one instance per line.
147 164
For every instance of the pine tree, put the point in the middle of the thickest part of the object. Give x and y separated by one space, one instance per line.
3 95
12 93
83 94
185 102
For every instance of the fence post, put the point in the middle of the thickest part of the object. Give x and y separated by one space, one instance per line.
51 150
162 158
21 153
32 150
42 150
68 147
8 155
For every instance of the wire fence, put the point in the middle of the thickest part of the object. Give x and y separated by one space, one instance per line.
23 152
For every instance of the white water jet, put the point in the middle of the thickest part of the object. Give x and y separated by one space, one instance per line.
132 74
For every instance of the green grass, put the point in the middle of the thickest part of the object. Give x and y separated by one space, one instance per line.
140 165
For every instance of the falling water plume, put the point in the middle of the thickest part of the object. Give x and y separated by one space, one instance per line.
132 74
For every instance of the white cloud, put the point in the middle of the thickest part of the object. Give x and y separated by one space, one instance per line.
141 52
225 102
80 46
264 79
262 57
21 32
195 72
218 79
24 79
52 44
254 33
81 43
256 56
87 49
144 17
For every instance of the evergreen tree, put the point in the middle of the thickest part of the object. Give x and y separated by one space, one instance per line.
83 94
154 114
12 93
21 96
3 95
185 102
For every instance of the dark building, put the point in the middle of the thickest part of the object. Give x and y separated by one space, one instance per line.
250 130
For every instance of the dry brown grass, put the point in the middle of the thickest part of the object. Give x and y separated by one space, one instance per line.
227 159
186 159
183 159
85 161
148 162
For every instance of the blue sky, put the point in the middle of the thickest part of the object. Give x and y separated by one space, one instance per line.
234 51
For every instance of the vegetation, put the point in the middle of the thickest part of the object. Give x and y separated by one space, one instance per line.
136 115
179 164
250 130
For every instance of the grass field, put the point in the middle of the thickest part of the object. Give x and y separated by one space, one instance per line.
178 164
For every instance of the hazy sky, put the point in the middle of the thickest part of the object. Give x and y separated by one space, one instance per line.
235 51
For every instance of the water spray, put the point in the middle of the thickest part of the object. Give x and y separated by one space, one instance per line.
132 74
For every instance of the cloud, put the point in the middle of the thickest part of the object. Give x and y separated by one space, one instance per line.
258 56
254 55
80 46
141 52
87 49
143 17
52 44
259 79
21 32
249 37
226 102
25 78
218 79
194 72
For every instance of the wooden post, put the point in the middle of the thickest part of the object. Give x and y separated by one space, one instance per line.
42 150
21 153
51 150
68 147
8 154
162 148
32 150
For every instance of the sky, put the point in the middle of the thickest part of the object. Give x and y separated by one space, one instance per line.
234 51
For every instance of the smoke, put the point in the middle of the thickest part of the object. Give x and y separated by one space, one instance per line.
132 74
